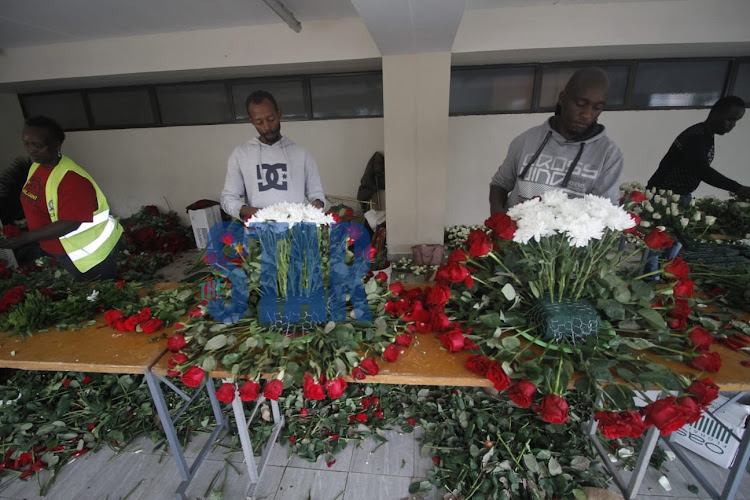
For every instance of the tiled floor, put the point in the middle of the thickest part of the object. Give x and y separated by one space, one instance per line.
363 471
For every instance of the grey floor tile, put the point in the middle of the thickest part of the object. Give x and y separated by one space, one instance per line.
394 457
308 484
279 455
716 475
343 460
129 474
651 487
376 487
433 494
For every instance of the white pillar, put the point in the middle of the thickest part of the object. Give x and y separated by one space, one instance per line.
416 90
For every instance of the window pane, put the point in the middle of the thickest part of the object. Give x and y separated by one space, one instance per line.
347 96
66 108
554 79
689 84
193 104
121 108
742 83
289 96
491 90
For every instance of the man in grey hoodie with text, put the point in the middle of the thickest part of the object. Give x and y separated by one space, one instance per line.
570 151
268 169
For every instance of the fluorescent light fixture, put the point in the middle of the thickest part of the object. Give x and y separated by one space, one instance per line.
285 14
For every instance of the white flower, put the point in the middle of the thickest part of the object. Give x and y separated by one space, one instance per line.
291 213
661 228
658 216
692 202
645 223
697 216
39 262
684 221
93 296
649 194
669 192
657 199
675 198
661 191
638 210
710 219
664 202
668 212
649 208
675 209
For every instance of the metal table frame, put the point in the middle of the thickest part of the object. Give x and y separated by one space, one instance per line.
222 425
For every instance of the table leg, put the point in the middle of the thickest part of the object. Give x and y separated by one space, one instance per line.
175 447
738 468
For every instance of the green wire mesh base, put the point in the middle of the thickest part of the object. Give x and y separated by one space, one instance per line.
569 320
305 323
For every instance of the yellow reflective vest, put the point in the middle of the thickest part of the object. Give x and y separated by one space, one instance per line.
93 241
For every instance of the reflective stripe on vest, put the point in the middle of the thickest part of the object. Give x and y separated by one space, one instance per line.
98 219
96 244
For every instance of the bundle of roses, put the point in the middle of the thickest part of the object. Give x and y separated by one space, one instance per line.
491 284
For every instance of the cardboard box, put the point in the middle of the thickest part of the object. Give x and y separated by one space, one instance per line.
202 221
710 439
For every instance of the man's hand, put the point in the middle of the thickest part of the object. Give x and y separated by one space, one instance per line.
743 193
317 204
498 199
14 243
246 212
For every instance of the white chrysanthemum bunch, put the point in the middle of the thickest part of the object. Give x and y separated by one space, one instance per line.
579 219
291 213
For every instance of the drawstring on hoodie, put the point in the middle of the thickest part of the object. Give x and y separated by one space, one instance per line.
572 167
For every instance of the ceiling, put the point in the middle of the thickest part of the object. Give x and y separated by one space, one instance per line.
396 25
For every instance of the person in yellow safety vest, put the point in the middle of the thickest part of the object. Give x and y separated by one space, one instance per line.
65 210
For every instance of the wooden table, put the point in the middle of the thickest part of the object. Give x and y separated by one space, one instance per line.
102 349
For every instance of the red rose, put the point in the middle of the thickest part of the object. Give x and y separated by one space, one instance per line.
683 288
637 196
151 325
522 393
453 341
704 391
144 315
358 374
553 409
396 289
411 421
303 413
130 323
365 403
193 377
227 239
336 217
665 415
612 425
438 295
379 414
312 390
452 272
86 380
178 359
273 389
458 255
636 423
249 391
381 277
392 352
11 231
636 220
436 460
700 338
370 366
14 295
151 210
677 268
362 417
225 394
403 339
335 387
503 226
497 376
348 212
113 316
120 285
691 408
175 342
657 239
707 362
478 364
479 243
66 382
439 321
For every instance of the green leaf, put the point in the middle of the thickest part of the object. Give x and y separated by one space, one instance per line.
511 343
554 467
710 324
217 327
531 463
653 318
209 363
493 320
638 344
50 459
580 463
508 291
642 290
371 287
474 450
622 294
216 342
579 494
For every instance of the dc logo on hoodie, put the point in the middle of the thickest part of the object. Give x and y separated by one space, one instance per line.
273 177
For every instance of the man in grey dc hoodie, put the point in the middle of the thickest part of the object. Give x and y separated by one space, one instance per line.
268 169
570 151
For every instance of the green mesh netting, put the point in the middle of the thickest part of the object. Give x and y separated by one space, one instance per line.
573 321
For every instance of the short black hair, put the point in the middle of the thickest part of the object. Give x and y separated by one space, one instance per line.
48 124
726 103
258 97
